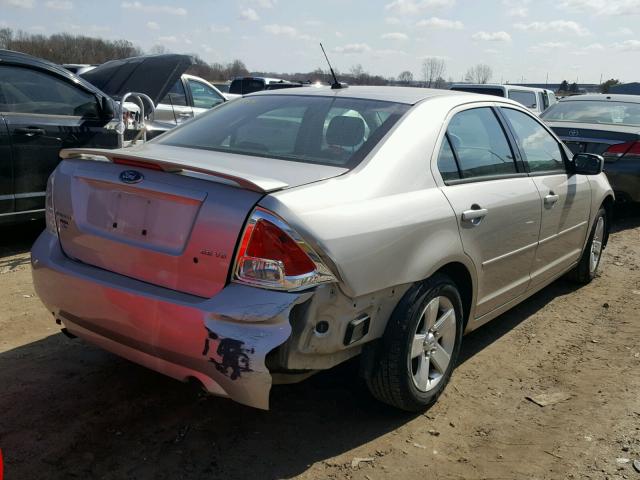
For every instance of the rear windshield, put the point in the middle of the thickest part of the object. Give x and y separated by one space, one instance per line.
594 111
496 92
310 129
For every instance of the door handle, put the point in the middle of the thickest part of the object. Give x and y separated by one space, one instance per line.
30 131
184 115
475 215
551 199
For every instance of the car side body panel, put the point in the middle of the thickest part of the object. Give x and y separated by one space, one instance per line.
383 223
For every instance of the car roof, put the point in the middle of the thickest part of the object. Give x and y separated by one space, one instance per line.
406 95
611 97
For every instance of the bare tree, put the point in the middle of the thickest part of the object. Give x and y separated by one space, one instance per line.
433 68
158 49
481 73
405 77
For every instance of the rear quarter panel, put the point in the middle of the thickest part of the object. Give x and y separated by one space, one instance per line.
385 223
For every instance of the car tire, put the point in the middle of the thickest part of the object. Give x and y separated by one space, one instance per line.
410 373
587 267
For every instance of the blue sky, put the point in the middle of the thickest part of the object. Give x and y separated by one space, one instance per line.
519 39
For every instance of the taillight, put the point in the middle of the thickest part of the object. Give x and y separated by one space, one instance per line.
49 209
272 255
619 150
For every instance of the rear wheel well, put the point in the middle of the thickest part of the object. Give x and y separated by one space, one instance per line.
460 275
608 207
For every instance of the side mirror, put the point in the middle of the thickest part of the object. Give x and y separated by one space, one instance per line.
106 109
588 164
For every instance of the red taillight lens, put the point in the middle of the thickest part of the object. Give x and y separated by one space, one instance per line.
272 255
269 242
619 150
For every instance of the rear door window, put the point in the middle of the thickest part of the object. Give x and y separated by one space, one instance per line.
447 164
541 151
480 144
203 95
528 99
177 96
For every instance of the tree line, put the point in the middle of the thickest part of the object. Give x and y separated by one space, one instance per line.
83 49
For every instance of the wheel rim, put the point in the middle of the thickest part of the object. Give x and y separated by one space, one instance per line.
432 344
596 245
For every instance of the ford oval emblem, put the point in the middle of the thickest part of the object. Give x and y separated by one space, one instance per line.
131 176
574 133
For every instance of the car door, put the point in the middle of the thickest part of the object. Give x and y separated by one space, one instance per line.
174 108
565 197
497 205
202 96
6 167
43 114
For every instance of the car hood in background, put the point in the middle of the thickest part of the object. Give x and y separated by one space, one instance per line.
153 75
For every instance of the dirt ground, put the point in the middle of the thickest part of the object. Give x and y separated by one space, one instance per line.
69 410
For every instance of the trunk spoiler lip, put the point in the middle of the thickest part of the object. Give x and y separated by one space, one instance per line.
250 182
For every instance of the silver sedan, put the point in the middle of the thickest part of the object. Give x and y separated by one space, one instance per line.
288 231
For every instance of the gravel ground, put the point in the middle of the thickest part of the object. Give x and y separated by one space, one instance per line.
69 410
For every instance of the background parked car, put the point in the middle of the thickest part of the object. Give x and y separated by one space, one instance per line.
44 108
535 99
246 85
189 96
608 125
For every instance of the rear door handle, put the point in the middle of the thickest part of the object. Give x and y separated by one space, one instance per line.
30 131
551 199
184 115
475 215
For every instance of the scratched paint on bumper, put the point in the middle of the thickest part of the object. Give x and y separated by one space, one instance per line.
223 341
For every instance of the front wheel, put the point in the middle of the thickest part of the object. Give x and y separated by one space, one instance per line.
420 346
587 267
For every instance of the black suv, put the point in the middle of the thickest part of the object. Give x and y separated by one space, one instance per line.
246 85
45 108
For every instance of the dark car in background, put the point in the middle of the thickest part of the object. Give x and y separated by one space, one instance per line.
607 125
246 85
45 108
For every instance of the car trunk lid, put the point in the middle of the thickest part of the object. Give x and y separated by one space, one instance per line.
593 138
153 75
153 215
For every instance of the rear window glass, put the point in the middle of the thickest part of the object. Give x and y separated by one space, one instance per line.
311 129
594 111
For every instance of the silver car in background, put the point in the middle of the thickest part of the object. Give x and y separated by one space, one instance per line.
188 97
288 231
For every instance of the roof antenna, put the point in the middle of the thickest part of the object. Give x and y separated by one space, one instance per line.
336 84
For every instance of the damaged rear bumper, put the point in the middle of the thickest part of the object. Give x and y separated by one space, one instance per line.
221 341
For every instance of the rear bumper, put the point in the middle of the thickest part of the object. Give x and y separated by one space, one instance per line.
221 341
624 177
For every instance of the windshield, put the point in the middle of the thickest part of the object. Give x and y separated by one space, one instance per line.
594 111
311 129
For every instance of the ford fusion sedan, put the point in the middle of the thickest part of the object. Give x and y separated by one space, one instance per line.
288 231
608 125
